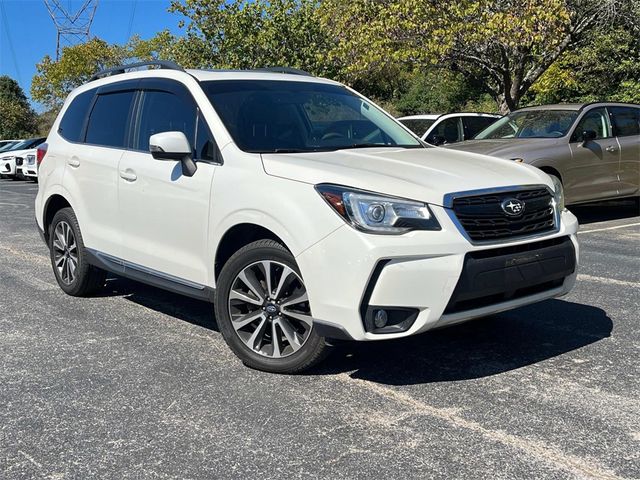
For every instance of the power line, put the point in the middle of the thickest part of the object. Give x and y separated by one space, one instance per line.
11 49
133 14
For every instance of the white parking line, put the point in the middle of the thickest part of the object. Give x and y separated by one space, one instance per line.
610 281
610 228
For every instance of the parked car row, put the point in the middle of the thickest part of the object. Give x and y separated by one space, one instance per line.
593 149
19 158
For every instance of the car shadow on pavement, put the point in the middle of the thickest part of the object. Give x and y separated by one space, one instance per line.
603 211
477 349
190 310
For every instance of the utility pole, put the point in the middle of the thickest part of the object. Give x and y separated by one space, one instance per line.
72 27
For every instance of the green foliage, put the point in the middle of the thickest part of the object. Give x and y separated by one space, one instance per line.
252 34
607 67
17 119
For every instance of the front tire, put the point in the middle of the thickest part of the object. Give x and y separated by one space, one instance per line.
263 311
73 272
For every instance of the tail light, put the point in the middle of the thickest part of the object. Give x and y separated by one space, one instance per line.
41 152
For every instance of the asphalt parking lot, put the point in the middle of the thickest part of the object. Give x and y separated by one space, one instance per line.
138 383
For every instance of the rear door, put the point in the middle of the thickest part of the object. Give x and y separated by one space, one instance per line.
164 214
593 171
91 169
626 127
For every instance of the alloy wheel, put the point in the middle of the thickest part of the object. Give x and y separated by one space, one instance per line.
269 309
65 252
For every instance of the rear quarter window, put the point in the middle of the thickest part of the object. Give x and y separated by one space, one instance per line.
72 122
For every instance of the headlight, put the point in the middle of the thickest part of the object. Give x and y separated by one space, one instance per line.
375 213
558 192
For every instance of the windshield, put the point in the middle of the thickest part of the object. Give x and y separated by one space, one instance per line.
419 126
531 124
282 117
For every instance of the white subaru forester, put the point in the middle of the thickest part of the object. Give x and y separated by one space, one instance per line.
303 211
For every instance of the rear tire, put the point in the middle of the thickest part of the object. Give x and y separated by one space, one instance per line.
267 323
69 258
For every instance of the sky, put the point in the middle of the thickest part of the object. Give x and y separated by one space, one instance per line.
27 32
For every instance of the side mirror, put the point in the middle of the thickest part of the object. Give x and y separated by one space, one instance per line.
438 140
173 146
587 136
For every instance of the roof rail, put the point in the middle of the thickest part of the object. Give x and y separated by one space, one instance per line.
289 70
123 68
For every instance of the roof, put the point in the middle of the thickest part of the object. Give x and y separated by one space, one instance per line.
435 116
207 75
573 106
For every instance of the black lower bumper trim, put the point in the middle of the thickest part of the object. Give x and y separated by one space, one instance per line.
498 275
331 330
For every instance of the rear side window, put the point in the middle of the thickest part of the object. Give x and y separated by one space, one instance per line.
164 112
73 119
626 121
474 125
109 119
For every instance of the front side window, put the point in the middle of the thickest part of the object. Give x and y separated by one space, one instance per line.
419 126
475 125
626 121
595 120
531 124
447 131
108 121
283 116
164 112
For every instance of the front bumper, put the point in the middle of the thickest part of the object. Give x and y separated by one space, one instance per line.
8 167
348 271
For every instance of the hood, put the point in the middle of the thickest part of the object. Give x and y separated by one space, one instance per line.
506 148
424 174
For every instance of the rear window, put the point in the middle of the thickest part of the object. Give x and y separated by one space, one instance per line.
626 121
73 120
109 119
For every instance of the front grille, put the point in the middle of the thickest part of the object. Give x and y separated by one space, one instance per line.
483 218
18 161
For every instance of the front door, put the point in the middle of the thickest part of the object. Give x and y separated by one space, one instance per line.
593 170
165 214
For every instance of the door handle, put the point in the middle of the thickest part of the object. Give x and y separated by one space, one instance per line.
128 175
611 149
74 162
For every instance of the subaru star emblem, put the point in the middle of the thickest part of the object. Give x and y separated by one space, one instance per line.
513 207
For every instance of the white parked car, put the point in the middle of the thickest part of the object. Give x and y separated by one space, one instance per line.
448 128
297 206
30 165
11 160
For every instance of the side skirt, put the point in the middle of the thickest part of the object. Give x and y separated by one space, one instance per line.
149 276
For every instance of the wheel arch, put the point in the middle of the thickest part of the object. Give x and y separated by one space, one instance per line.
239 236
551 171
54 203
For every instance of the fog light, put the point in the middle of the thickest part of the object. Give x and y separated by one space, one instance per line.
380 319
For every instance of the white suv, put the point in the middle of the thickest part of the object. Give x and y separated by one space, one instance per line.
302 210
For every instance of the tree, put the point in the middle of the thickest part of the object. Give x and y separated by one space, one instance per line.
17 118
607 67
252 34
506 45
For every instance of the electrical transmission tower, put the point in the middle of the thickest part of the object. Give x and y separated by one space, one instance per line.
73 27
